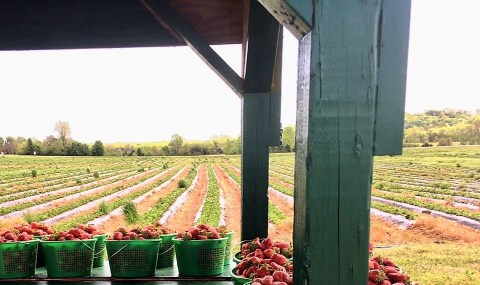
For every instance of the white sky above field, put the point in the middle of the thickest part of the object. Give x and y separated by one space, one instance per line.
149 94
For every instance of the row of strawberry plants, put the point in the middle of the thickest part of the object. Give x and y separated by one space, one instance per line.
281 188
430 206
84 186
409 215
49 181
392 186
211 207
275 215
281 177
77 203
85 218
53 197
163 204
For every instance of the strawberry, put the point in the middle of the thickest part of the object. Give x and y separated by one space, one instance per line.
279 283
69 237
387 262
281 245
376 275
390 269
10 236
266 243
262 272
249 272
372 264
202 237
268 252
256 283
267 280
187 236
259 253
117 236
385 282
279 259
397 277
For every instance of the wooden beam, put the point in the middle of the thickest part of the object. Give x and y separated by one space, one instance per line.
334 142
255 130
260 116
392 48
295 15
263 31
166 16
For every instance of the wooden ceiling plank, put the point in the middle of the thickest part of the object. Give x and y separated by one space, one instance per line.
168 18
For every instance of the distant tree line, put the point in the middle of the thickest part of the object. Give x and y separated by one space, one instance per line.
51 145
64 145
442 127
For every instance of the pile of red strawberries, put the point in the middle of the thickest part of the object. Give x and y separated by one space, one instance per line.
149 232
36 229
200 232
266 262
9 236
383 271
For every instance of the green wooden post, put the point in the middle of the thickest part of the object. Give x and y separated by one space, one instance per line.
260 117
335 131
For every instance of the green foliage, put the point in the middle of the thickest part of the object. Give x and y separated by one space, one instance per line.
96 175
130 213
275 215
98 149
28 217
182 183
175 144
88 169
34 173
103 208
211 208
443 127
288 137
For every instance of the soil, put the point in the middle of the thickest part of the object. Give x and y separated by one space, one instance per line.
232 194
142 207
184 217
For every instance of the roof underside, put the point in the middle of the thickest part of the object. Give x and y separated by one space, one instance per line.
79 24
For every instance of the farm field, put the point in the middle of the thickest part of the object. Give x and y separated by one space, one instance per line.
424 203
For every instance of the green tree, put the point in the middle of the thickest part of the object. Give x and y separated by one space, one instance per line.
98 149
140 152
31 147
176 144
288 137
77 149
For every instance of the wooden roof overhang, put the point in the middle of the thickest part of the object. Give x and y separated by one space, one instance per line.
350 98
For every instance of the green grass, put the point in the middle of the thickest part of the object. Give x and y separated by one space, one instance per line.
437 264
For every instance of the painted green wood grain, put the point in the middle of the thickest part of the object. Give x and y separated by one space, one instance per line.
264 63
335 122
255 165
392 76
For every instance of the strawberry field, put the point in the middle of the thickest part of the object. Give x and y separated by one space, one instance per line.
428 196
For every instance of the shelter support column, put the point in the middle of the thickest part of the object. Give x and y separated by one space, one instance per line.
339 62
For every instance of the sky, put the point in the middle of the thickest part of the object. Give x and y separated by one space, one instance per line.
149 94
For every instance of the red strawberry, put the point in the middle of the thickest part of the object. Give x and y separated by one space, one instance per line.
385 282
117 236
370 282
256 283
202 237
397 277
390 269
387 262
69 237
281 245
268 252
249 272
279 259
376 275
372 264
279 283
10 236
259 253
187 236
35 225
266 243
267 280
262 272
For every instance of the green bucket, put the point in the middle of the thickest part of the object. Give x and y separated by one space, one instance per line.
166 251
71 258
133 258
17 259
228 248
237 279
99 255
200 257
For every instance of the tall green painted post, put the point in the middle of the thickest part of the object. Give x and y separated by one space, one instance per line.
260 117
338 91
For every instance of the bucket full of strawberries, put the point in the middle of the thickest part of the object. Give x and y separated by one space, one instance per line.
18 253
200 251
39 231
133 253
69 253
